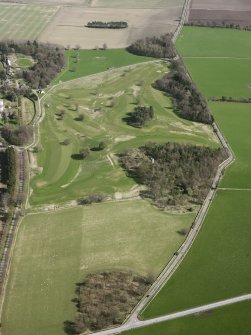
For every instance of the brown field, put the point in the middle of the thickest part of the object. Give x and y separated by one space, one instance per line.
228 11
67 27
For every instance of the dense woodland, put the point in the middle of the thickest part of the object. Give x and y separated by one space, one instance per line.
140 116
48 60
107 25
159 47
104 299
187 100
174 173
17 136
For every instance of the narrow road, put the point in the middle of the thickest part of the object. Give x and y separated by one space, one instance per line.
191 311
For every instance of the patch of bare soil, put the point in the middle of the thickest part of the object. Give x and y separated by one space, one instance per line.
235 5
68 26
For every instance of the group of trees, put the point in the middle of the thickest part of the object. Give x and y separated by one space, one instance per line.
107 25
174 173
217 24
92 199
17 135
159 47
187 100
49 60
104 299
140 116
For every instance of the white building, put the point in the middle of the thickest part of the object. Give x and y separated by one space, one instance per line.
1 106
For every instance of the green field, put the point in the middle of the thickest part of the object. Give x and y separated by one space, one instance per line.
230 320
57 249
64 178
86 62
23 62
24 21
217 265
221 66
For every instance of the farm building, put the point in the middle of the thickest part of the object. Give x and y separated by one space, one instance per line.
1 106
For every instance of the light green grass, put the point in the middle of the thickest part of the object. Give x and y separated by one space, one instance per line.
229 320
217 266
28 110
56 250
85 62
23 62
96 174
24 21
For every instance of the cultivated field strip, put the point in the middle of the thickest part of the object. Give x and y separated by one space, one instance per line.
24 21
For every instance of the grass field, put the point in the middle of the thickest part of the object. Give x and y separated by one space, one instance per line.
23 62
218 68
71 178
24 21
56 250
85 62
217 266
230 320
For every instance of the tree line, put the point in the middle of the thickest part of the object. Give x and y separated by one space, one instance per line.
174 173
213 24
158 47
10 169
49 60
187 100
107 25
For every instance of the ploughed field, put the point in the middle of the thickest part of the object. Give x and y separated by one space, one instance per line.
56 250
237 12
217 266
103 101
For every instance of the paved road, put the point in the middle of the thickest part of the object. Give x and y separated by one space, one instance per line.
192 311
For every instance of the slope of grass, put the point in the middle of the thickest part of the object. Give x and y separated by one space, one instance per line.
64 178
86 62
56 250
230 320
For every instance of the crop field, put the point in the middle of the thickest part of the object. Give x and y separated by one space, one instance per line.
217 68
104 101
24 21
217 265
234 11
56 250
137 4
86 62
230 320
68 27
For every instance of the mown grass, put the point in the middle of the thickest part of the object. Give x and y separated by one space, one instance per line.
56 250
64 178
86 62
23 62
21 22
230 320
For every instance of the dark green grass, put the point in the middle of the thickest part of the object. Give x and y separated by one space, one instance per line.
229 320
85 62
235 122
217 267
221 77
205 42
